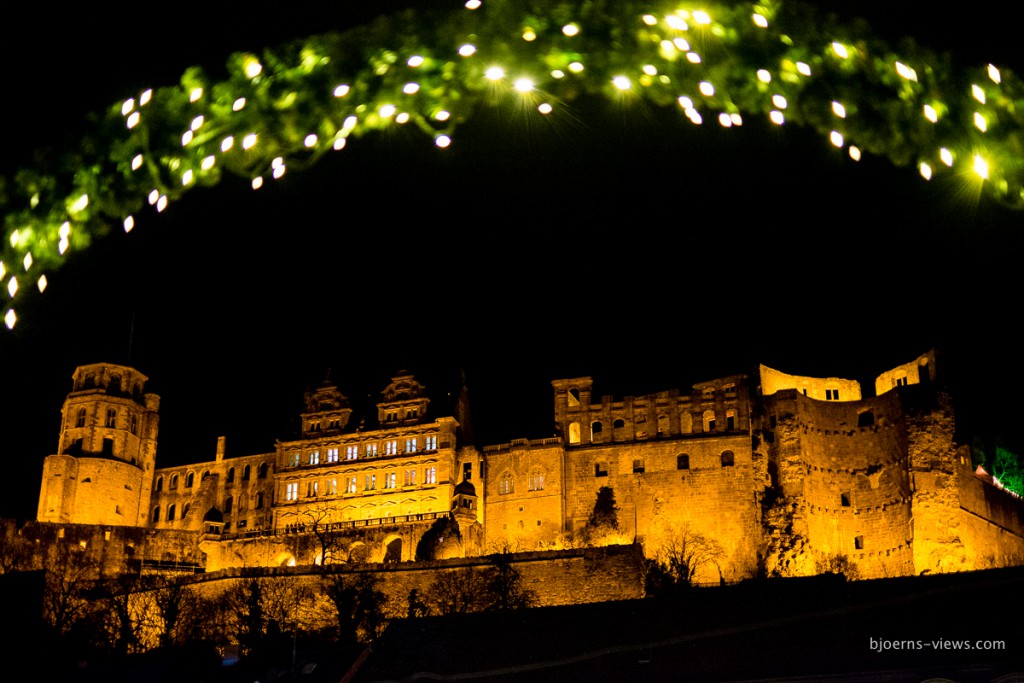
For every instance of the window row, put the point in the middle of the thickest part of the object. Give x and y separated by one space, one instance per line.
387 480
709 422
367 450
111 420
534 481
190 477
726 459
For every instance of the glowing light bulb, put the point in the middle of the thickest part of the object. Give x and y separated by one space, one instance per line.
571 30
544 108
650 70
467 50
694 116
3 270
685 102
411 88
341 91
494 73
529 35
977 93
725 120
207 163
238 105
925 170
133 120
415 61
576 67
145 97
779 101
249 141
279 172
12 286
677 23
64 231
195 94
906 72
473 4
840 50
186 177
62 246
930 113
622 83
523 85
979 122
127 107
702 17
387 111
129 223
838 109
257 182
777 117
706 89
693 58
79 204
10 319
981 167
558 74
161 203
253 68
442 141
803 69
649 19
27 261
681 44
186 138
737 120
764 76
41 283
339 143
402 118
993 74
136 162
759 20
946 156
855 152
442 115
153 196
197 123
836 138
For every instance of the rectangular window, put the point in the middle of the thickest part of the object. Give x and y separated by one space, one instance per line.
332 487
314 457
332 455
431 444
291 491
312 488
371 482
351 452
350 485
390 480
467 471
410 445
391 447
831 394
293 459
430 475
371 450
410 477
111 417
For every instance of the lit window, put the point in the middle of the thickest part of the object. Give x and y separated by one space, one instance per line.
371 482
351 452
291 491
506 484
390 448
390 480
332 487
410 477
294 459
332 455
430 475
111 417
312 488
350 485
431 444
371 450
314 458
410 445
536 479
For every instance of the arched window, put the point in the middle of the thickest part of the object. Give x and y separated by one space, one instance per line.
111 417
133 424
170 512
245 473
536 479
866 419
80 418
262 471
728 459
574 432
574 397
259 500
184 509
231 474
228 503
159 483
506 484
730 420
115 384
156 514
190 479
682 461
243 503
595 430
619 424
174 482
709 420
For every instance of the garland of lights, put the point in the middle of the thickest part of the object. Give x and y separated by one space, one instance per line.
308 98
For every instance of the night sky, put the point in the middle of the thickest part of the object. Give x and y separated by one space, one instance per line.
625 245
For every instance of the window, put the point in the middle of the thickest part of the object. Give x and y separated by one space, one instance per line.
831 394
294 459
350 485
332 455
573 397
351 452
390 480
333 424
371 482
844 499
431 444
133 424
259 500
312 489
156 514
866 419
371 450
858 543
574 432
410 445
708 395
619 423
638 467
391 416
536 482
314 457
411 413
111 417
170 513
600 469
291 491
262 471
467 471
159 483
506 484
231 475
332 487
596 428
80 418
174 482
682 461
245 472
184 509
430 475
314 426
730 420
728 459
190 479
410 477
391 447
709 420
229 504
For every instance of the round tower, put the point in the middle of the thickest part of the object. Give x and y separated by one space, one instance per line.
103 470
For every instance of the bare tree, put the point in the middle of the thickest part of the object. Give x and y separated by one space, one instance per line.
360 606
70 573
683 559
459 591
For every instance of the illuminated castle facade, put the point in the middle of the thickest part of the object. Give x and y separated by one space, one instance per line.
785 475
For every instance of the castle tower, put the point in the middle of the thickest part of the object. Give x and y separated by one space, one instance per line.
103 470
403 402
327 411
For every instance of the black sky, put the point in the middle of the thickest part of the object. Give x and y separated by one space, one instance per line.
628 246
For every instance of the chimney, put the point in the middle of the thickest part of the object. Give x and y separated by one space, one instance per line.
221 440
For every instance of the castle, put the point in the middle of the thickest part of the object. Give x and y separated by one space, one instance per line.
785 475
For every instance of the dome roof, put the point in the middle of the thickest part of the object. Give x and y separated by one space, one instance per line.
465 489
